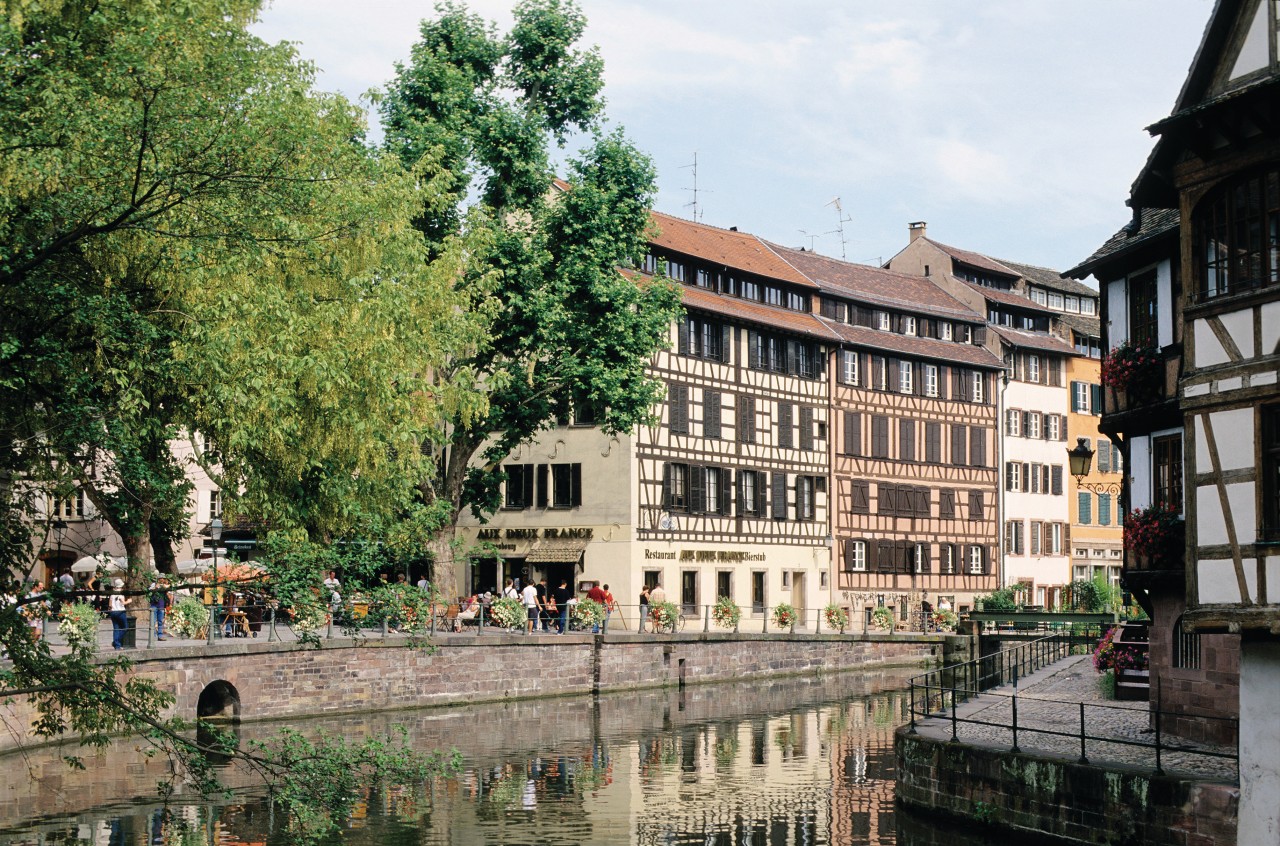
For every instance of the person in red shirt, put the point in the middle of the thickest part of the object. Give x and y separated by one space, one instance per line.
596 594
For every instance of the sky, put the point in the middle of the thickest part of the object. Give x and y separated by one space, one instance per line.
1014 128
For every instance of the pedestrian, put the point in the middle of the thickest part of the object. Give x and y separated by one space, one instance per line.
610 605
115 611
331 582
530 598
158 600
644 607
596 594
510 592
544 600
424 585
561 597
36 609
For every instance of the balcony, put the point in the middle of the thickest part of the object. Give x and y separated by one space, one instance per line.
1154 547
1140 389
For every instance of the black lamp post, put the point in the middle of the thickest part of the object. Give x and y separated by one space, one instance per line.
1080 461
215 532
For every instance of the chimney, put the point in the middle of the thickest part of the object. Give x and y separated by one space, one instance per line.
915 230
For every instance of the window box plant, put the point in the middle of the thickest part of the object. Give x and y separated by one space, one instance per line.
1155 537
1133 373
78 623
508 613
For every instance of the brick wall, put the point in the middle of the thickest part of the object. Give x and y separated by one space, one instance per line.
1211 690
1077 803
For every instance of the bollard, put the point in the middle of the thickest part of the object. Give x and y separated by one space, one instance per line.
817 626
911 691
764 629
212 625
328 633
1015 726
480 622
383 626
151 628
272 636
1083 759
706 618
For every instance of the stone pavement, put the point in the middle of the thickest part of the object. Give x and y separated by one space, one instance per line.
1050 700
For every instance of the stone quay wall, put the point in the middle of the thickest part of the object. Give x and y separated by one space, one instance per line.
1041 796
344 675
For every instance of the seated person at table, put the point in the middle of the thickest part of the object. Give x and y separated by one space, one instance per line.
467 614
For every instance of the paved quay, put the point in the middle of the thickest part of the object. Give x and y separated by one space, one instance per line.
1049 700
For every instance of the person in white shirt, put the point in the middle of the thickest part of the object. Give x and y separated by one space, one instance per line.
116 609
510 592
332 583
530 598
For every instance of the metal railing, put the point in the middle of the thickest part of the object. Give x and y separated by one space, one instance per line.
938 694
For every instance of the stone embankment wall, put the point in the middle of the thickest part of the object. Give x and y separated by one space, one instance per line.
273 681
1072 803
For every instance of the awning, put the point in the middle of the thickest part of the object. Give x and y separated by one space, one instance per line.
557 551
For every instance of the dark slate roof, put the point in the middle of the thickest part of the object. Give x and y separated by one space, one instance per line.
929 348
1082 324
1154 223
874 285
1034 340
995 295
1049 278
725 247
799 322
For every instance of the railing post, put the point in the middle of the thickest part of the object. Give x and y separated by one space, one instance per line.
955 738
817 624
432 606
764 629
151 627
1015 725
328 631
706 618
272 637
1159 767
911 687
480 623
1083 758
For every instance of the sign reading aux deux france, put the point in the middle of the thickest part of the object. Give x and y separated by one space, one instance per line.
533 534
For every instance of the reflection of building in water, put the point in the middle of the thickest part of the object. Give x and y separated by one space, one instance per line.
863 770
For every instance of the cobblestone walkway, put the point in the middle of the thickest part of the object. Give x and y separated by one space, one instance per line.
1050 701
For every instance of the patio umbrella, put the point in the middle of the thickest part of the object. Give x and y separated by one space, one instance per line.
91 564
235 571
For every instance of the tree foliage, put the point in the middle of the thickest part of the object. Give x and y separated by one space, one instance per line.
565 324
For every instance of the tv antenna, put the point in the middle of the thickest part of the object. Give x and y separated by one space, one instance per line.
697 210
841 220
813 238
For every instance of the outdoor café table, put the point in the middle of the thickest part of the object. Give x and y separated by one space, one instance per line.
236 624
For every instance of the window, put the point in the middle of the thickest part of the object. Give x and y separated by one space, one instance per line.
947 554
585 411
1072 304
904 377
1013 422
703 278
1053 427
1038 296
797 302
1167 478
519 485
678 409
1235 235
979 385
1080 395
1142 308
773 295
806 427
1033 368
566 485
675 487
751 493
1013 537
880 373
72 507
650 264
855 556
1084 504
883 321
908 325
1088 305
852 433
1186 648
1033 424
689 592
1270 472
906 439
1054 540
1056 301
757 591
931 380
215 505
709 490
977 446
977 559
849 367
724 584
1013 475
944 331
920 558
959 445
806 497
750 289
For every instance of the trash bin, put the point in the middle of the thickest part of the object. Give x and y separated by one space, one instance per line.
130 631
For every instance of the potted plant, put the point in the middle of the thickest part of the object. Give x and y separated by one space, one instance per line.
835 617
726 613
784 616
187 618
1155 535
664 616
945 621
1132 371
882 618
78 623
586 614
508 613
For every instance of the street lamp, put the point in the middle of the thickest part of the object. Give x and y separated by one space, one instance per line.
215 532
1080 461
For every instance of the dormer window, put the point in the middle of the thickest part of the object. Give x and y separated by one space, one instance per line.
944 331
703 278
883 321
675 270
908 325
1088 306
1039 296
1073 304
796 302
650 264
1056 301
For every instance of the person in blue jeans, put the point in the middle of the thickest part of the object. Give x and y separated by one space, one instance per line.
159 600
115 612
562 596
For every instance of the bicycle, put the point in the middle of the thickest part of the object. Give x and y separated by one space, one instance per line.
675 624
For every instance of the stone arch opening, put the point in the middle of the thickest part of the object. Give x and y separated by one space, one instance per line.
219 701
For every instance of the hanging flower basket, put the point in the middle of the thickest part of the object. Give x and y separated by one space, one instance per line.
1135 371
586 613
882 618
663 615
784 616
508 613
1155 536
726 613
78 623
835 617
945 621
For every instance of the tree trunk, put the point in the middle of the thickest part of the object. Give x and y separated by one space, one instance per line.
162 546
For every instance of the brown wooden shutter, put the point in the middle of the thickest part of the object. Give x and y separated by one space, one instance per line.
906 439
542 485
959 445
852 433
746 419
887 499
784 425
666 486
778 484
710 413
761 495
947 504
977 446
726 489
860 500
806 427
678 409
682 336
879 436
933 443
697 489
975 505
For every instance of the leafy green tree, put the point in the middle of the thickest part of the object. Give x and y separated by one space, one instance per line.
193 240
565 323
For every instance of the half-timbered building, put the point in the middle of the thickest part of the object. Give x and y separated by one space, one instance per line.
914 445
1208 204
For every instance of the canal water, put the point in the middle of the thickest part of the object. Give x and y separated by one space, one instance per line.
797 762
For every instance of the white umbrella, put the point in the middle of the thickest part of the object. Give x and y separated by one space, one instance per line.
91 564
193 565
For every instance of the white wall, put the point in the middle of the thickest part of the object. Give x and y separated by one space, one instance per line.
1259 813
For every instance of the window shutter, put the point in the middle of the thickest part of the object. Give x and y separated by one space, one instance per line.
576 473
710 413
977 446
1084 502
726 488
666 486
791 357
1026 477
959 437
1008 475
879 436
947 504
848 555
1095 399
917 379
860 501
852 433
784 425
906 439
884 556
1117 463
887 499
806 427
1103 460
678 409
779 486
746 419
726 343
542 485
1055 474
682 335
980 335
697 489
932 443
742 490
976 508
760 493
1035 537
1075 397
1008 537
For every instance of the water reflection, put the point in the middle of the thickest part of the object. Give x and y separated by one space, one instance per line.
806 761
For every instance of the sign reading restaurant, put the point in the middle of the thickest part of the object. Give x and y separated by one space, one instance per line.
723 555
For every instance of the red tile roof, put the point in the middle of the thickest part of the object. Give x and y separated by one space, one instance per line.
737 250
864 283
800 322
930 348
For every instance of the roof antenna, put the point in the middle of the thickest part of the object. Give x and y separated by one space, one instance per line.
697 210
841 220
